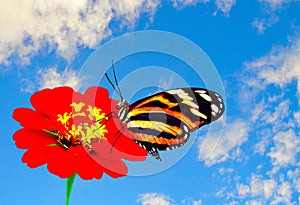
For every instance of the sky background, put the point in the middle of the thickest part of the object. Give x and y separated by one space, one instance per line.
255 47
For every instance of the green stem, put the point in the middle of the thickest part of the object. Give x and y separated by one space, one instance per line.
50 132
69 186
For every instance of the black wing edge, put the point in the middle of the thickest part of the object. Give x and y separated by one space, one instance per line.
152 150
217 105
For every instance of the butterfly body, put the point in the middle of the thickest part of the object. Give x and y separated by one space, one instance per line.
165 120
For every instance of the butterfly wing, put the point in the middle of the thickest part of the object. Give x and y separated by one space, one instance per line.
165 120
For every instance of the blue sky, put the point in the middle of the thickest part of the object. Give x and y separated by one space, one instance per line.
255 47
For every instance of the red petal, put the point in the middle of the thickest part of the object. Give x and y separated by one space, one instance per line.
31 119
130 148
38 156
26 138
93 94
86 167
98 97
122 170
51 102
62 164
109 159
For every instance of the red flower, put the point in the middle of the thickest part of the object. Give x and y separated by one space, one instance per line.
71 133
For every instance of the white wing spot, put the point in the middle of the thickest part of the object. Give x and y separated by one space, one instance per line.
185 128
197 113
190 103
177 91
185 96
200 91
214 108
206 97
220 99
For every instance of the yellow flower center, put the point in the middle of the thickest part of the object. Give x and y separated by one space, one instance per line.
76 130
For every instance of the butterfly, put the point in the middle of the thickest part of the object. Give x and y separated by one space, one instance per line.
165 120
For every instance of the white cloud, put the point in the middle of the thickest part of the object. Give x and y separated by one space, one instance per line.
262 144
258 110
275 4
191 202
224 6
280 66
243 190
274 120
276 71
223 170
270 96
297 117
256 185
50 78
276 111
269 187
234 135
155 199
294 176
26 26
265 191
184 3
28 85
280 113
162 199
263 24
270 11
198 202
254 202
285 150
296 183
258 168
284 193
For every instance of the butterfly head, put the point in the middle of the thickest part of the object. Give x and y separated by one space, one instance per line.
123 107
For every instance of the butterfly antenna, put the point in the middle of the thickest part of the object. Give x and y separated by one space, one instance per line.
116 80
113 85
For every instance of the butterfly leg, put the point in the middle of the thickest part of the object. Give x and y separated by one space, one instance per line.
118 133
116 136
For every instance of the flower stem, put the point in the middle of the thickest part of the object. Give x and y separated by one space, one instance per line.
69 186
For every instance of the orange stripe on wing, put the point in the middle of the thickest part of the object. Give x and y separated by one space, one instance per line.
179 115
157 98
157 140
160 126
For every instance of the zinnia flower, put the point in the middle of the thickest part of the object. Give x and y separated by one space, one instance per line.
74 133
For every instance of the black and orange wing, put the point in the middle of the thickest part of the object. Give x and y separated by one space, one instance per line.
165 120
